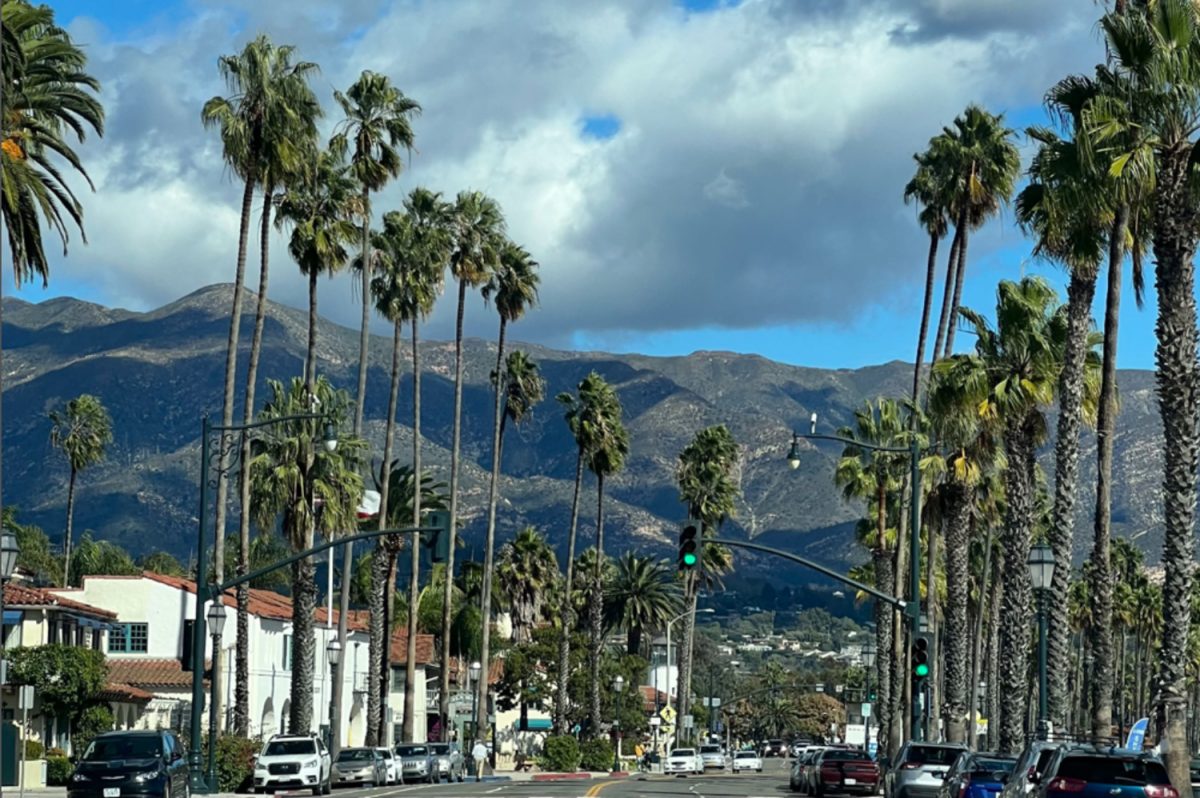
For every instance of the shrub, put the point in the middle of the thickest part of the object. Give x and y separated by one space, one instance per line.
596 755
235 762
560 754
58 770
34 750
92 721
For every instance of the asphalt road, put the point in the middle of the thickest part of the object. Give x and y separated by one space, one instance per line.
771 783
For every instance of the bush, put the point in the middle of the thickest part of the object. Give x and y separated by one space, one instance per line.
94 720
560 754
596 755
235 762
58 770
34 750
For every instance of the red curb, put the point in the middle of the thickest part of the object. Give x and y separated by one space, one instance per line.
561 776
618 774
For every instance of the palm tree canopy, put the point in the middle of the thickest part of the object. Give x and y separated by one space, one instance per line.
707 476
402 493
378 122
82 430
979 151
514 283
643 593
524 386
526 572
318 204
478 226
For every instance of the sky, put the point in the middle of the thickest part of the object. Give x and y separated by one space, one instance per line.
690 174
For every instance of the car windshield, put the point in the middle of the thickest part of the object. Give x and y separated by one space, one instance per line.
683 752
107 749
440 749
932 755
746 755
1113 770
383 752
412 750
290 747
355 754
1043 760
993 765
846 756
710 749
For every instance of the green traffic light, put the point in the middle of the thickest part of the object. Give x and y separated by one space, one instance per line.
922 670
689 559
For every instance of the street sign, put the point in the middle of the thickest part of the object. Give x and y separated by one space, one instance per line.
688 721
655 721
667 714
866 709
712 701
25 697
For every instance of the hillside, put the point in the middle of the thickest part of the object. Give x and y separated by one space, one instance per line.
159 372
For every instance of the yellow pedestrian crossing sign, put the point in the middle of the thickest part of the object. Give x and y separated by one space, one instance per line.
667 714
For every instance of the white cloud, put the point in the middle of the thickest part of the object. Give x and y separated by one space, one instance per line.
724 190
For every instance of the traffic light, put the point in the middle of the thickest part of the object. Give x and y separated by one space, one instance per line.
689 546
922 656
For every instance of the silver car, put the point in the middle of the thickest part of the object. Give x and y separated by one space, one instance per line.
359 766
417 763
919 769
712 756
449 761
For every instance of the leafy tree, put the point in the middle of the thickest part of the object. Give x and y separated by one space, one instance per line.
101 557
36 555
82 431
67 678
161 562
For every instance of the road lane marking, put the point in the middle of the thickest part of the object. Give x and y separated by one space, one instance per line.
596 789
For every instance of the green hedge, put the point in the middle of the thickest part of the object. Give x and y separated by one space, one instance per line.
235 762
58 770
596 755
34 750
560 754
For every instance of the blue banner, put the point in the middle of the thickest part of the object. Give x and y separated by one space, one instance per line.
1137 735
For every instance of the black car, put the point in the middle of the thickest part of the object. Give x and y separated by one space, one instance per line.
1089 771
125 763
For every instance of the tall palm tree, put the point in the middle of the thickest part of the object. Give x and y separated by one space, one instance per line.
644 596
1064 206
477 228
1010 379
606 458
707 475
929 189
310 489
526 571
514 286
82 431
1150 127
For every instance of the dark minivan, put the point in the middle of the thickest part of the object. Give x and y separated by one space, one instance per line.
141 763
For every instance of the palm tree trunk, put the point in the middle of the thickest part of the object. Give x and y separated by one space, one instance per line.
947 293
310 358
958 594
596 609
304 593
1100 587
455 453
926 310
883 645
1080 293
485 598
899 716
993 657
1014 630
633 641
933 710
960 277
364 335
1175 251
389 544
377 637
389 623
567 613
67 531
414 575
973 687
683 683
241 690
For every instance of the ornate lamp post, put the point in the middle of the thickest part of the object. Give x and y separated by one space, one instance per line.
1041 572
618 685
216 625
334 652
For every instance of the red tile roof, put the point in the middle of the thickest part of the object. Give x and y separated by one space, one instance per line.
648 702
125 692
17 595
399 654
148 672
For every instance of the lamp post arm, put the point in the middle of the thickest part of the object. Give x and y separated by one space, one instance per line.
267 422
852 442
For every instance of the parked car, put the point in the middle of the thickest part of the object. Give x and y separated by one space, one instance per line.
360 766
294 760
449 761
1029 768
746 760
1196 778
142 763
417 763
977 775
843 770
913 774
683 761
1087 771
391 765
805 768
712 756
774 748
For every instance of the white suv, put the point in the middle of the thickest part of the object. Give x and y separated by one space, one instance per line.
293 760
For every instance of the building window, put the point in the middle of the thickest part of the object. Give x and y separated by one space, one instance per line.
129 638
287 652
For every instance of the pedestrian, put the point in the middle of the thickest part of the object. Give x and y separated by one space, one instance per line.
479 754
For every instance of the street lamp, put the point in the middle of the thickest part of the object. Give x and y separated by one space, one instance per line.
868 657
679 694
216 625
333 652
472 680
10 549
914 567
618 685
1041 573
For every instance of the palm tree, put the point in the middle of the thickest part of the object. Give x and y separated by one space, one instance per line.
1009 380
1150 127
1060 207
644 596
928 188
708 476
477 227
526 571
980 152
82 431
606 458
514 286
296 479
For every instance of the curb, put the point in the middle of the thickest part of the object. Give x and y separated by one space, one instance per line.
619 774
561 777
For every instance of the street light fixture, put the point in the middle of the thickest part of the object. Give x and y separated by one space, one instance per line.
618 685
10 549
473 673
331 441
1041 573
679 697
334 652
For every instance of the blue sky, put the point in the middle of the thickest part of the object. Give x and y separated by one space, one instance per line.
692 174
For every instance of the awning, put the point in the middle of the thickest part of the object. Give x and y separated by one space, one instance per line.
88 623
535 724
12 617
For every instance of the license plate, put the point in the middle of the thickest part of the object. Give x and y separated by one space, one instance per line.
849 781
112 792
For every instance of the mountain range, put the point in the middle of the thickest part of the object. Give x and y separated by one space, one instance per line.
158 372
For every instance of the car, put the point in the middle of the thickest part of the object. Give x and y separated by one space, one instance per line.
1195 768
1029 768
746 760
977 774
683 761
774 748
1084 771
417 763
712 756
391 765
806 768
449 761
844 770
294 760
131 763
360 766
913 773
